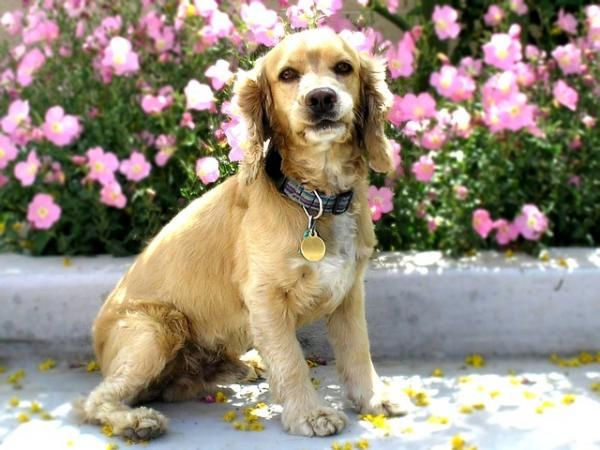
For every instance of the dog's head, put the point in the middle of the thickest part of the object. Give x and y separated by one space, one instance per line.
310 92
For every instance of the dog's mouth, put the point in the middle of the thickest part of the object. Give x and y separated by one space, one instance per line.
327 125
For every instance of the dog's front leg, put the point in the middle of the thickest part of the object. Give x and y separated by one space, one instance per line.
347 328
273 327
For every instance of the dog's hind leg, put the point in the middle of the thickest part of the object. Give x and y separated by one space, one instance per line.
142 346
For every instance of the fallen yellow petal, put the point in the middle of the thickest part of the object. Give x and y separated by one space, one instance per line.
362 444
229 416
107 430
46 365
457 442
438 420
475 360
35 407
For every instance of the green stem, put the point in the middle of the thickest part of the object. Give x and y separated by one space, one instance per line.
380 9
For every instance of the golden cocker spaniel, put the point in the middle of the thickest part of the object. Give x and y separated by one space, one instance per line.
282 243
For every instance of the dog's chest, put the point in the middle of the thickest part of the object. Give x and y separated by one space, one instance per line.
335 274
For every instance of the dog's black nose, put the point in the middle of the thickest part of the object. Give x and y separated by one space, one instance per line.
321 100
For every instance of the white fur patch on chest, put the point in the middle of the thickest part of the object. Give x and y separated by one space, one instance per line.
336 271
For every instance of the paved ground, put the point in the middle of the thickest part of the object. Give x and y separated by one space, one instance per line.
507 404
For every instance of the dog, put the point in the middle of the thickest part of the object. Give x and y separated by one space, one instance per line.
280 244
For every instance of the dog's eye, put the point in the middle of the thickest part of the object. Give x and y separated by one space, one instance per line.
342 68
288 75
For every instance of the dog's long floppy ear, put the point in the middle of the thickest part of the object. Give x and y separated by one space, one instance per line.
254 101
375 102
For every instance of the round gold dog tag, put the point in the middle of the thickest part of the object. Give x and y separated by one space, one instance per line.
312 248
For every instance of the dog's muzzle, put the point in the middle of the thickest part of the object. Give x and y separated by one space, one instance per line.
322 103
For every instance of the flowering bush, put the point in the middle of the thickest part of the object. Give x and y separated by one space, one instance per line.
113 115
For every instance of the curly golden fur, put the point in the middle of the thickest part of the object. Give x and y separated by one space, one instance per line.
225 274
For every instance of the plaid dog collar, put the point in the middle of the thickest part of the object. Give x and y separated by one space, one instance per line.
295 191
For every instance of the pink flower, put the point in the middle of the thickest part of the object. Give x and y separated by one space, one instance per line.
423 169
419 107
255 15
219 74
401 59
493 16
505 231
74 8
444 18
566 22
482 222
187 121
12 22
220 26
207 169
519 7
396 158
112 195
31 62
362 41
328 7
380 201
568 58
531 223
42 212
18 114
470 67
205 7
502 51
263 23
3 180
166 147
499 87
588 121
565 95
237 138
155 104
461 192
165 40
8 151
298 15
524 73
119 57
136 168
59 128
271 36
40 29
516 113
449 83
26 171
102 165
461 122
434 139
308 11
198 96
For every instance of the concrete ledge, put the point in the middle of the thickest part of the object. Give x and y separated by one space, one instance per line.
418 304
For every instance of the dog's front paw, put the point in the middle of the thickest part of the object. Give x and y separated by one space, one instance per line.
321 421
387 400
139 424
387 405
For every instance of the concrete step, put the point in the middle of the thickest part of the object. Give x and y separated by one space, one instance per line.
418 304
516 404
